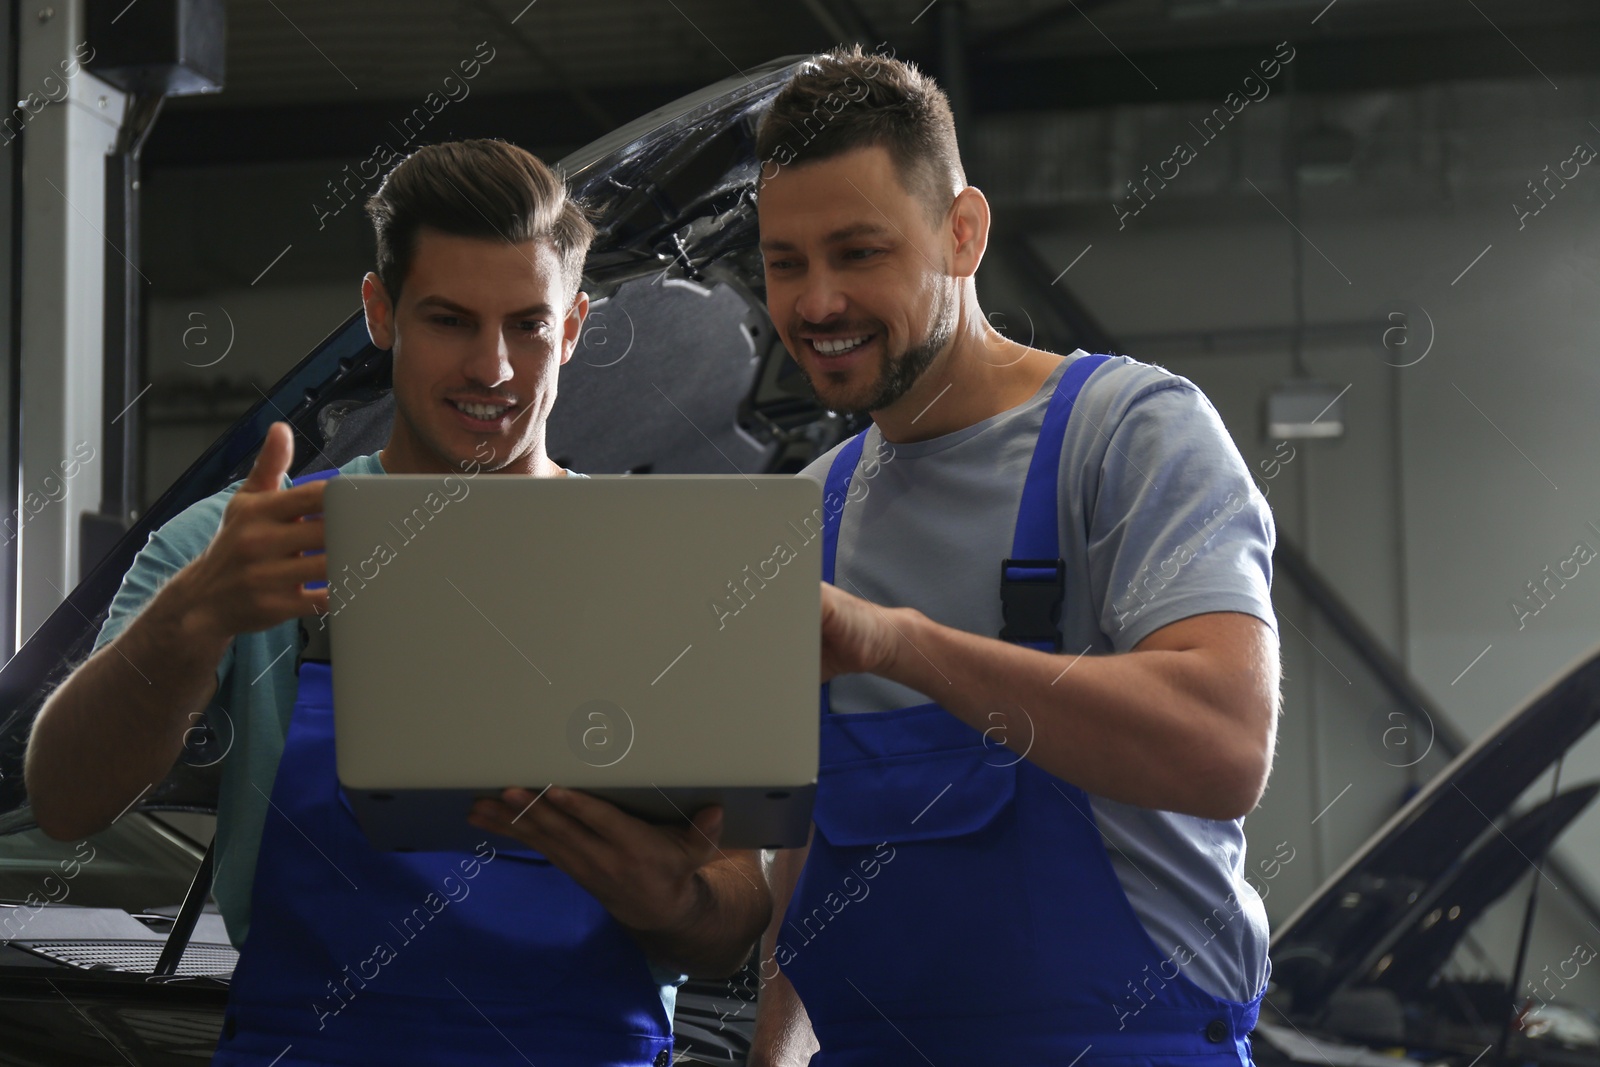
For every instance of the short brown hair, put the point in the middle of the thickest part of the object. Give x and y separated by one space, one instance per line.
847 99
479 188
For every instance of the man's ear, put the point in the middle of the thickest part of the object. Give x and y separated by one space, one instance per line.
969 231
380 311
572 326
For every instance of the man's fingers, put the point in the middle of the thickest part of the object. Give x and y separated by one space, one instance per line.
285 540
287 504
307 535
604 819
314 602
496 811
272 462
703 838
292 570
600 817
588 823
552 821
494 815
644 875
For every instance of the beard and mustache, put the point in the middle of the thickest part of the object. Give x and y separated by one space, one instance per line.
896 373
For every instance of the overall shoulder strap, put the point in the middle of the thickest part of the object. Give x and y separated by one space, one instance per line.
1033 579
835 491
318 476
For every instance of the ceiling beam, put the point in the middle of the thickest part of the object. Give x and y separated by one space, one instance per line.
1030 26
206 132
843 21
1321 65
189 136
585 101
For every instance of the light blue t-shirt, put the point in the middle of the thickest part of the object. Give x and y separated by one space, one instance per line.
1159 521
256 687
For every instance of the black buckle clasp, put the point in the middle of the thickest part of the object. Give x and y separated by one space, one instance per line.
1031 594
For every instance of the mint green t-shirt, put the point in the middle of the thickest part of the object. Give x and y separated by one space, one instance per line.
256 687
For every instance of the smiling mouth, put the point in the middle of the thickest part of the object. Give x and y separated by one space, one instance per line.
833 347
481 412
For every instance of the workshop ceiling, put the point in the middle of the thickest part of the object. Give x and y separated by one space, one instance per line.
314 80
300 51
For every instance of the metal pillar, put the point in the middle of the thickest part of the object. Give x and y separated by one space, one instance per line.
10 330
64 141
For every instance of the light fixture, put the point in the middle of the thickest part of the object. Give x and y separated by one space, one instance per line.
1303 408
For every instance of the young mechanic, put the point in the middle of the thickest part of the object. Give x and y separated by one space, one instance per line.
351 955
1023 854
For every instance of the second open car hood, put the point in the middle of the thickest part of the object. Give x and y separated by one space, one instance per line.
1386 922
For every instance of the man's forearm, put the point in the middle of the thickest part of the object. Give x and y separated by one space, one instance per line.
116 725
783 1035
715 941
1159 729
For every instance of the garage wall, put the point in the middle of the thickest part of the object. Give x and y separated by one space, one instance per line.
210 353
1457 480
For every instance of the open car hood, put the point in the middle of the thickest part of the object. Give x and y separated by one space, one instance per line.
1366 950
678 370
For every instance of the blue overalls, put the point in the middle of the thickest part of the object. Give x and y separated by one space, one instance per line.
356 956
993 929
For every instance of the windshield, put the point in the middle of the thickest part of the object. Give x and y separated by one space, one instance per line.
142 861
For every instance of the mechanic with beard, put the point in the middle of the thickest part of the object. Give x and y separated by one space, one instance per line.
568 954
1053 654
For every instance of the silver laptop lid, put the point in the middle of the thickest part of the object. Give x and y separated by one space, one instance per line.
615 631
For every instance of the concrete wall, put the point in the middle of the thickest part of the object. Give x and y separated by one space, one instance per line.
1457 480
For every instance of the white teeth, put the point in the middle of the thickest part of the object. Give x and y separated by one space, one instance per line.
480 411
837 345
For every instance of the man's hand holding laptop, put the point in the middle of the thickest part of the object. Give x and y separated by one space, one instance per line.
659 881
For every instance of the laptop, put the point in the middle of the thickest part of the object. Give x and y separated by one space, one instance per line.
651 640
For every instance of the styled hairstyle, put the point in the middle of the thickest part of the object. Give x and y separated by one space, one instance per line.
847 99
479 188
